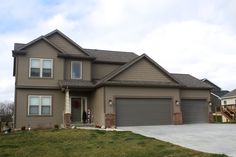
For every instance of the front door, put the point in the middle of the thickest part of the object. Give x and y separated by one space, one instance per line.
78 105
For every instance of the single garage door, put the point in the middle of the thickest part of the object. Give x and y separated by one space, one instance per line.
194 111
138 112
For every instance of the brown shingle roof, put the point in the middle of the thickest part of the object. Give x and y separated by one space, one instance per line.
111 56
141 83
189 81
75 84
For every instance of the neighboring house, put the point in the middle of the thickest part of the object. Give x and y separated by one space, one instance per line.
57 81
216 94
228 102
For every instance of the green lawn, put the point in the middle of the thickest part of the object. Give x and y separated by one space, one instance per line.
89 143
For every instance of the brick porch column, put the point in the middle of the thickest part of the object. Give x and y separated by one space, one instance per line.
67 113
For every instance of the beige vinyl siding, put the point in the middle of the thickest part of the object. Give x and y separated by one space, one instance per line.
111 93
143 70
41 49
23 119
86 69
100 70
64 45
195 94
97 103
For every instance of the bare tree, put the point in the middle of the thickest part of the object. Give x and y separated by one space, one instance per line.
6 111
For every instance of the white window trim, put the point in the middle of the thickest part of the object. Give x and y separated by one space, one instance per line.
40 105
81 68
41 68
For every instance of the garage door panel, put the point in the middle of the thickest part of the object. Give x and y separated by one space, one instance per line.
131 112
194 111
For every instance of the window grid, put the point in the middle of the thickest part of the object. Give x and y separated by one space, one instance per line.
41 67
40 105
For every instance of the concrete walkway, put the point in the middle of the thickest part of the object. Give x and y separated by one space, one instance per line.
212 138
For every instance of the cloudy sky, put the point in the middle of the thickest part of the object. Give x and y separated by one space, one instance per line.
183 36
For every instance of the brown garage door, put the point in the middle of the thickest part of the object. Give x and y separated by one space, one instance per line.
138 112
194 111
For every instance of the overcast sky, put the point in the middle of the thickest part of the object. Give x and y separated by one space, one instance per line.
183 36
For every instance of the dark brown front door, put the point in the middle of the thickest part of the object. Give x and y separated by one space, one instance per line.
76 109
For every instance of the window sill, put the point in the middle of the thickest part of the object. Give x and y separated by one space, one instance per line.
42 78
39 116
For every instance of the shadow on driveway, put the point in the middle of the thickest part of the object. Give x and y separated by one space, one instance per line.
212 138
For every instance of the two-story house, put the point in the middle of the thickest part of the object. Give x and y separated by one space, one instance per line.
57 82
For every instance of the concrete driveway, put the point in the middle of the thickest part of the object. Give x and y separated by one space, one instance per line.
212 138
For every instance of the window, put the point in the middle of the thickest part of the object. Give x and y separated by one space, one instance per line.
41 67
76 70
225 102
39 105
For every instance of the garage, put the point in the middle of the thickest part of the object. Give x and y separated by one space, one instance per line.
194 111
140 111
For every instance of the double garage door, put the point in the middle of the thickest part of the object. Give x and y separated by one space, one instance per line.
135 112
140 111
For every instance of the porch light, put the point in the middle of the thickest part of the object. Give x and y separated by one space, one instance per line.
177 102
110 102
209 103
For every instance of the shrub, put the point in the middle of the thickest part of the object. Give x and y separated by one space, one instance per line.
23 128
56 126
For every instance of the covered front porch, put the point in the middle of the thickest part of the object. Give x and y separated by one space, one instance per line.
78 110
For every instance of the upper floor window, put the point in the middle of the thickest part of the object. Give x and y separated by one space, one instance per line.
39 105
41 67
76 70
225 102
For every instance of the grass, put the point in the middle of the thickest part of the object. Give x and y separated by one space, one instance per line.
89 143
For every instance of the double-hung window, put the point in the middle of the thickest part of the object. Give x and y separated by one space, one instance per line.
39 105
76 70
42 68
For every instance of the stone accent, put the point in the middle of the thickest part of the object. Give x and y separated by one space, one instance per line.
177 118
67 120
110 120
210 118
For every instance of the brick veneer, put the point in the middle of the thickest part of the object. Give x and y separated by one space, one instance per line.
110 120
210 117
177 118
67 120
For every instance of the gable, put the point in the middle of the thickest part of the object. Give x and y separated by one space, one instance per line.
143 70
64 44
41 49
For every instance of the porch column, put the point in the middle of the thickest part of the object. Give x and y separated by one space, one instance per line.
67 101
67 113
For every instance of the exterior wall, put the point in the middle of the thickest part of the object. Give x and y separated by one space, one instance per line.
39 50
86 69
229 101
97 103
22 118
195 94
139 72
64 45
111 93
101 70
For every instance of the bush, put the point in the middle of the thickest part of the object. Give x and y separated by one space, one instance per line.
56 126
23 128
217 118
